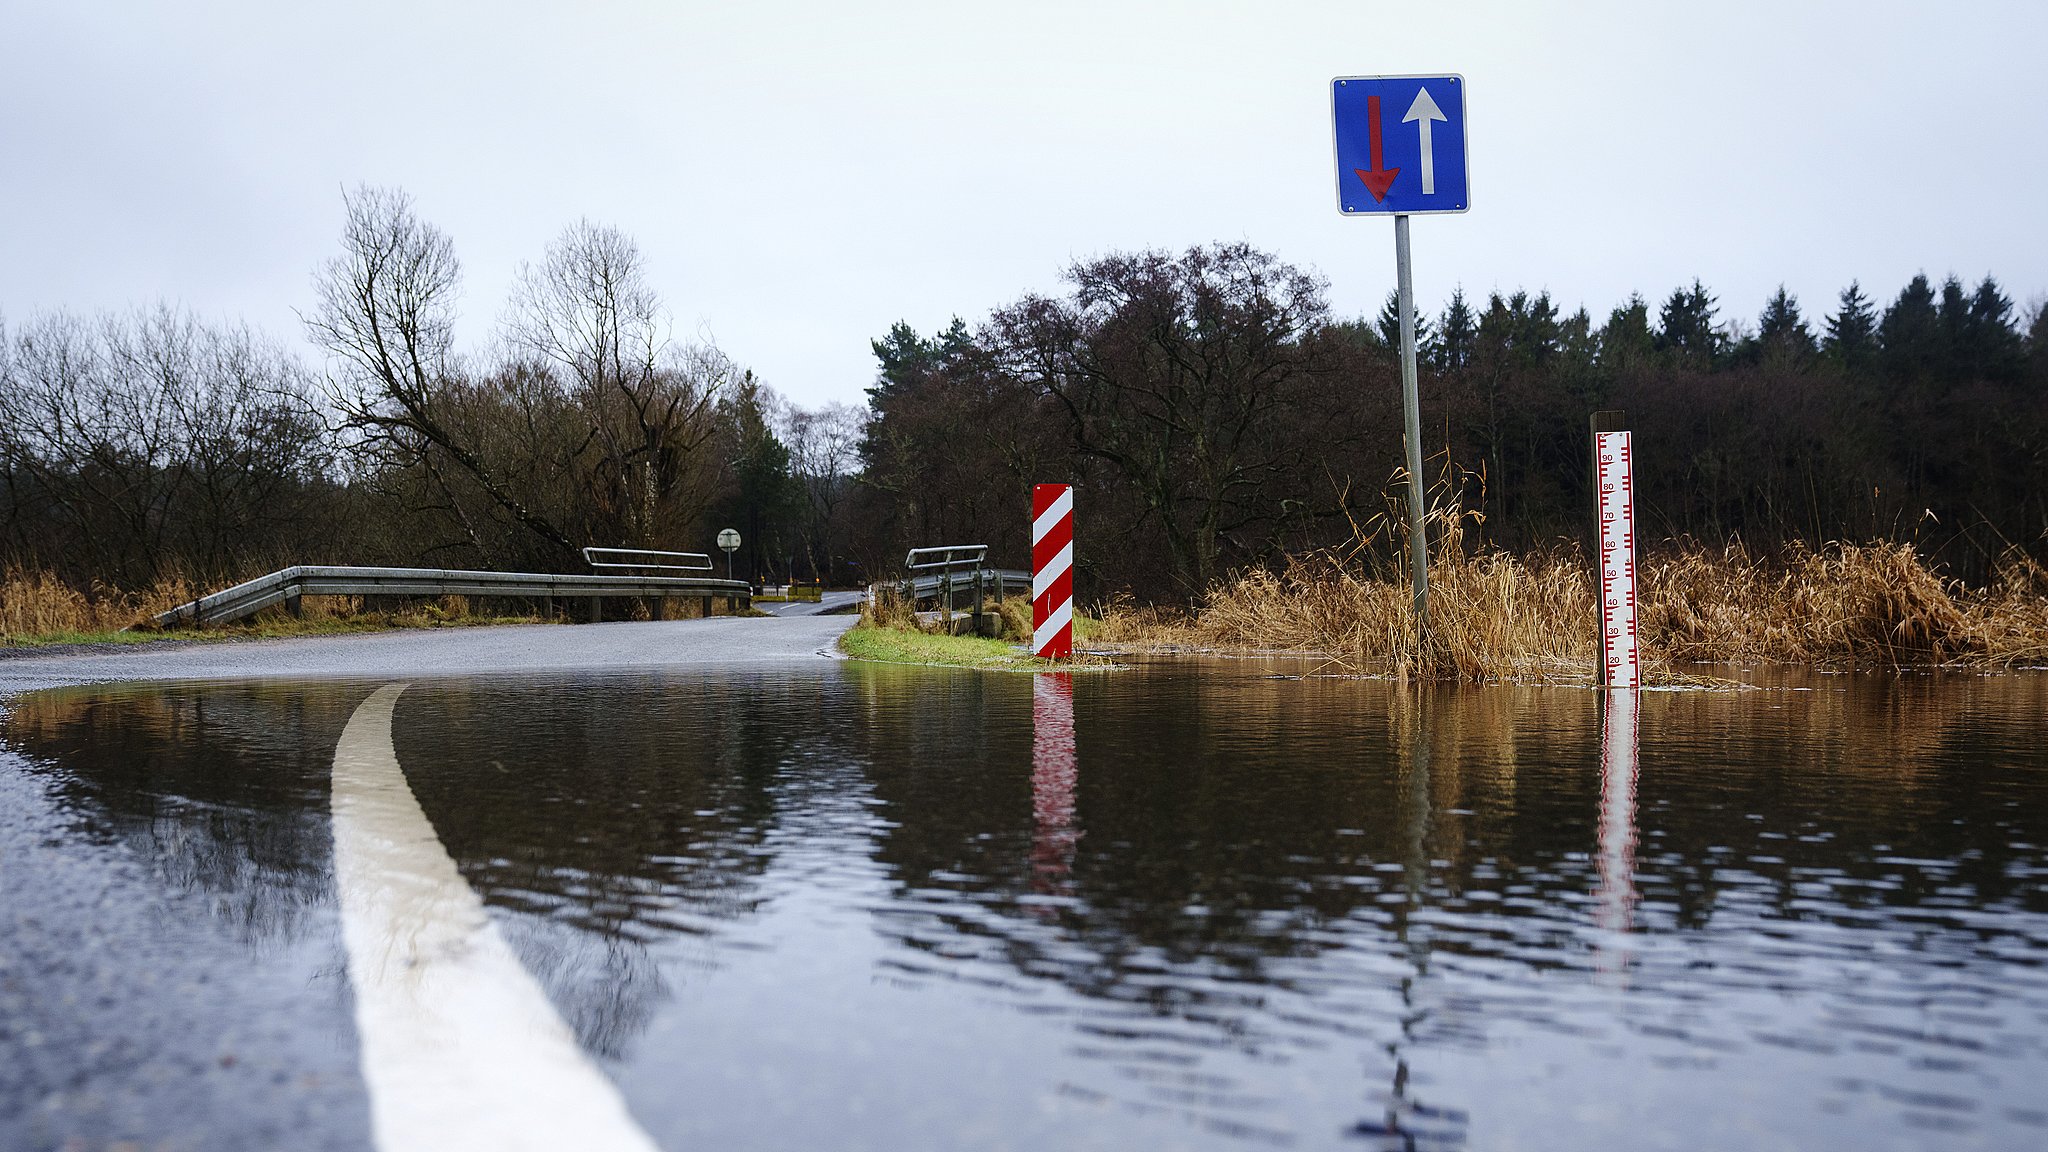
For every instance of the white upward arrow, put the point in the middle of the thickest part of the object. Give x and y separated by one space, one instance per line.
1424 110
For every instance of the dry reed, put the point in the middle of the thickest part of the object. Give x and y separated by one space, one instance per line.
37 608
1491 617
1496 616
888 607
36 603
1845 604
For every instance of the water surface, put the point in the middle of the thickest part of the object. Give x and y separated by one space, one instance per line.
1192 905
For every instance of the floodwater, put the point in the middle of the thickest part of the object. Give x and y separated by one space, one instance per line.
1196 904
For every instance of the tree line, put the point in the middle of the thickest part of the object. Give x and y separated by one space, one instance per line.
148 446
1218 417
1215 413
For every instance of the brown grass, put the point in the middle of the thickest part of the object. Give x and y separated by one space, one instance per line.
1491 617
36 603
1843 605
1497 616
36 609
888 607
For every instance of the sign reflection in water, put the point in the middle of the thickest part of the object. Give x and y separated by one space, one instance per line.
1053 775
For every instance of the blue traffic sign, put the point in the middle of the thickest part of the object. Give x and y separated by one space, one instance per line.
1400 144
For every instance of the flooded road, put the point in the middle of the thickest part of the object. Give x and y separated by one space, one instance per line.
1196 904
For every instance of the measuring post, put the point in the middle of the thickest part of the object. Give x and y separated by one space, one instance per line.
1415 166
1615 504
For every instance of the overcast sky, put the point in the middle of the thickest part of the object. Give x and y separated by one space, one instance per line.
802 175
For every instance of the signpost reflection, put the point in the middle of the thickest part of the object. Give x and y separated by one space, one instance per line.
1053 775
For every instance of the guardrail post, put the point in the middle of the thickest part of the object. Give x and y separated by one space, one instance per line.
980 574
596 609
292 605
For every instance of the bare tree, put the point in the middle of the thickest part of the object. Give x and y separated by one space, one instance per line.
587 312
386 312
824 455
150 444
1178 374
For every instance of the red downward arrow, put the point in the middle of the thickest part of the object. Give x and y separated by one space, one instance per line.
1380 178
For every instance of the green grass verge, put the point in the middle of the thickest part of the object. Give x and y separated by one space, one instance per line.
864 641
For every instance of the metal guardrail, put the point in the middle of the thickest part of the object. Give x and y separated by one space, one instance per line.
288 584
1002 580
944 557
938 572
945 586
590 557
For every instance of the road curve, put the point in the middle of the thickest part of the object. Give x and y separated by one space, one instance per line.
717 642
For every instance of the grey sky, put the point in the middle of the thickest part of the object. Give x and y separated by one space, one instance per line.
801 175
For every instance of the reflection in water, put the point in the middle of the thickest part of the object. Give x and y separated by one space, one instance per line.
854 905
1616 897
223 788
170 959
1407 1122
607 816
1054 770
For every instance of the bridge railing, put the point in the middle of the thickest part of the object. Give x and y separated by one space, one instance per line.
647 559
287 585
944 572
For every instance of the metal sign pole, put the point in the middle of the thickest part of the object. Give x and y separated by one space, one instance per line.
1395 163
1411 410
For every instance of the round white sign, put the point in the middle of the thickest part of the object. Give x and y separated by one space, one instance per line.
729 539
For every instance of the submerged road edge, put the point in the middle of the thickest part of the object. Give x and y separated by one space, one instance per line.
461 1048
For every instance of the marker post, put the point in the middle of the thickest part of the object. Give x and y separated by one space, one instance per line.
1614 519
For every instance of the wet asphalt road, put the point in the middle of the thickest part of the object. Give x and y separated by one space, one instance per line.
154 995
828 603
515 649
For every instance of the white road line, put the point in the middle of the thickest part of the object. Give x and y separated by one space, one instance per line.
461 1049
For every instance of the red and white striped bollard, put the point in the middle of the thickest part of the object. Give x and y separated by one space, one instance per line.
1052 571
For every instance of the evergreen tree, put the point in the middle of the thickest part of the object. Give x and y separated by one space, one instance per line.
1952 316
2037 345
1389 326
1520 325
1852 330
764 498
902 358
1989 345
1781 332
1579 355
1455 334
1686 333
1909 337
1625 341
